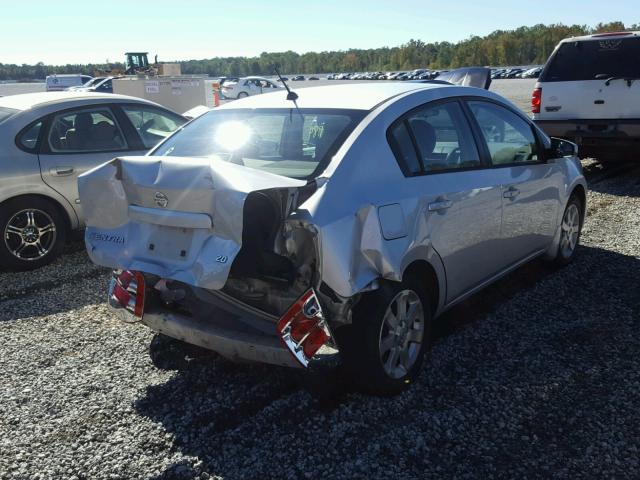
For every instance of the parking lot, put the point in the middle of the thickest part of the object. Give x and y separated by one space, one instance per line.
537 375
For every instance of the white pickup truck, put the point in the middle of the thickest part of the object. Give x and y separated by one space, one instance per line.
589 93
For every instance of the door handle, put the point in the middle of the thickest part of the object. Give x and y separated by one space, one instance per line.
62 171
511 192
439 205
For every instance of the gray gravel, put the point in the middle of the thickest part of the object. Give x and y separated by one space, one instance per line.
537 376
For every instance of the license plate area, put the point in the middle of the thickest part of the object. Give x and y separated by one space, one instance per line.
169 243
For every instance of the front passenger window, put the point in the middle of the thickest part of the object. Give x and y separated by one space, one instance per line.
509 137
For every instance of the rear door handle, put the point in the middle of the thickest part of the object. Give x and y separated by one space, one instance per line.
439 205
62 171
511 192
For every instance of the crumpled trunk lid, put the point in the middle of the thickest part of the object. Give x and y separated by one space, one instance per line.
175 217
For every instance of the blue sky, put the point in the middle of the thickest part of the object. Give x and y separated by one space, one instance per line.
72 31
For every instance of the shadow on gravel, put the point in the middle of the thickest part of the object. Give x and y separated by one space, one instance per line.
254 421
620 179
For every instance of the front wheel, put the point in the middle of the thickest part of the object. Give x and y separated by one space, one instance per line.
389 337
570 230
33 233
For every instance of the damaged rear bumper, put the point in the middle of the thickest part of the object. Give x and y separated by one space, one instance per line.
233 344
222 324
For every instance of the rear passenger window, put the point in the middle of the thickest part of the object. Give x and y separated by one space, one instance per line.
443 137
509 137
403 149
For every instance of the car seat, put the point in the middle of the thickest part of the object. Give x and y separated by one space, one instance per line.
80 136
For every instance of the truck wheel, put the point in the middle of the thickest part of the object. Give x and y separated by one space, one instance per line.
389 336
33 233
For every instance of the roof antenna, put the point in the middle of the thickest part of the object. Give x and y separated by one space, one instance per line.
293 96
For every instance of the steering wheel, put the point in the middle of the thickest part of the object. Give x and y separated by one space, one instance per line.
453 157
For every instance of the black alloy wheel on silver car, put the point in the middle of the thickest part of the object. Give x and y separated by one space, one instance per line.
570 230
33 233
243 95
390 334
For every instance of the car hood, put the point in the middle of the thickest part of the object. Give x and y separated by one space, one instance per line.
176 217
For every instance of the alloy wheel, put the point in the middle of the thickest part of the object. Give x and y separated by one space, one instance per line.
30 234
401 334
570 230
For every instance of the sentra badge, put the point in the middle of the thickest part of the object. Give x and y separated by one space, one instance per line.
105 237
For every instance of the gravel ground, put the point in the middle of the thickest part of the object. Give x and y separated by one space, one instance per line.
537 376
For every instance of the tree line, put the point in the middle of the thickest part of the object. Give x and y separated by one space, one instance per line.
522 46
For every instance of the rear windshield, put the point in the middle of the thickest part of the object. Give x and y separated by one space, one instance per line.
592 59
6 113
289 142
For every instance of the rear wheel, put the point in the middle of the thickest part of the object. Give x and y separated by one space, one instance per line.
243 94
33 233
389 337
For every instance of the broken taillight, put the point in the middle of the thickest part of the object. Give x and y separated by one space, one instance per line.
303 328
126 295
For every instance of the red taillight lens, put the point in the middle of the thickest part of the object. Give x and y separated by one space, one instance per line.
536 100
314 341
139 308
122 296
124 279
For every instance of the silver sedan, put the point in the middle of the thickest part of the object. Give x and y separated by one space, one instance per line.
333 225
46 141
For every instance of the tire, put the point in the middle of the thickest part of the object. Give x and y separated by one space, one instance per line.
368 357
243 95
571 228
33 233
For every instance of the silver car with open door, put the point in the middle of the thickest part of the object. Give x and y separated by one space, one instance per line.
331 225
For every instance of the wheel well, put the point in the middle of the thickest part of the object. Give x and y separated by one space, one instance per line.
422 271
579 192
55 203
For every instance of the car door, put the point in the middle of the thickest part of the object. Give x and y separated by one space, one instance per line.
530 185
462 202
77 140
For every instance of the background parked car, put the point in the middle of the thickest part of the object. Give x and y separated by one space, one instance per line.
57 83
298 78
246 86
46 141
104 86
90 83
589 92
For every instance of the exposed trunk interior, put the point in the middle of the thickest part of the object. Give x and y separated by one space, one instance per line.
278 259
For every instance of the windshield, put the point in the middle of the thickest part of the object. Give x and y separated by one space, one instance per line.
6 113
289 142
594 58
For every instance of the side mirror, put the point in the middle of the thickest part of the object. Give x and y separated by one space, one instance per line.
562 148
